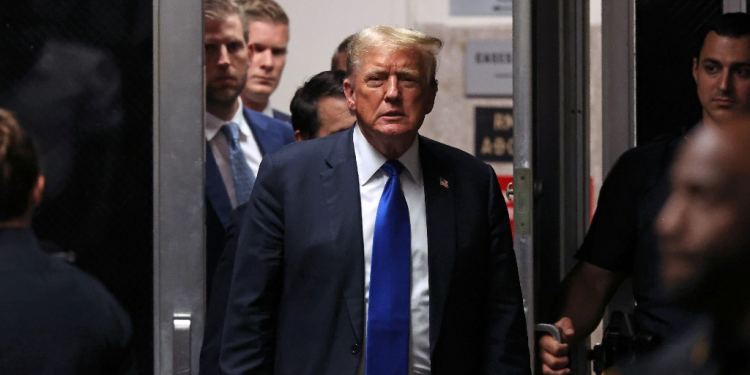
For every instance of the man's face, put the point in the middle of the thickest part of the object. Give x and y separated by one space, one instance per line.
341 61
722 74
703 227
334 116
268 42
390 92
226 60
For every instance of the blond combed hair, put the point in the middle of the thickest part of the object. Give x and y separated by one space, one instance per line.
221 9
392 38
264 10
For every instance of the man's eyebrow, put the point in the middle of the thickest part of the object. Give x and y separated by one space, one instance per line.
739 64
374 70
710 60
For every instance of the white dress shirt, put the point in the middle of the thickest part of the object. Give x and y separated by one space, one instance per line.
220 148
372 181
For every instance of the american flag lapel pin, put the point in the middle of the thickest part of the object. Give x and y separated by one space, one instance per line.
443 182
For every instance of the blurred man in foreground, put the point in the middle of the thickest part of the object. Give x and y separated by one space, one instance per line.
705 246
621 241
54 318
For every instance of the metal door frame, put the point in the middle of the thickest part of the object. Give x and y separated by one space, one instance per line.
550 100
179 238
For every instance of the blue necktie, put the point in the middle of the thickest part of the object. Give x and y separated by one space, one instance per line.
242 176
390 281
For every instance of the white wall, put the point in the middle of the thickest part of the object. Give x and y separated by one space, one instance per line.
317 27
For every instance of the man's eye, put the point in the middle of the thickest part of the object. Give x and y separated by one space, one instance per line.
743 72
711 68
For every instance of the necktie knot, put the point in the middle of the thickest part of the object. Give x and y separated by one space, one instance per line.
231 130
393 168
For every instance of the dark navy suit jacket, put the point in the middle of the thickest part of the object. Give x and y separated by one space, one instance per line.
55 318
296 304
271 135
281 116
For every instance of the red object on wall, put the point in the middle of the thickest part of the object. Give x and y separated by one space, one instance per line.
504 180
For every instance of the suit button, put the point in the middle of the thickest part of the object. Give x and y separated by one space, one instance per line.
355 349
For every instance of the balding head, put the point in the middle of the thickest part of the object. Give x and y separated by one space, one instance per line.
704 228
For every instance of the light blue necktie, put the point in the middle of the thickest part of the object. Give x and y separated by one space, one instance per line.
390 281
242 176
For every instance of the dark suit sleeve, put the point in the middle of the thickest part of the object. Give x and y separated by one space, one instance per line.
507 350
249 328
217 304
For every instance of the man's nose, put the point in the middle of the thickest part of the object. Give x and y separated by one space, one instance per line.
669 221
223 55
265 58
392 89
726 83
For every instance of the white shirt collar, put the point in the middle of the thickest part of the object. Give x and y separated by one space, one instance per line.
369 160
268 111
214 124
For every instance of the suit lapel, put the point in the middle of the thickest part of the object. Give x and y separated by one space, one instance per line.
441 232
341 189
216 192
259 127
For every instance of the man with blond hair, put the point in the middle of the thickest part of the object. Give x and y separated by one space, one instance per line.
236 138
268 27
377 251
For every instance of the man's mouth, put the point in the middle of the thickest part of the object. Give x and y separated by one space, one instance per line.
393 114
723 101
261 79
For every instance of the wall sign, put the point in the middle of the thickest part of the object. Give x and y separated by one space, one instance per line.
481 7
488 65
494 133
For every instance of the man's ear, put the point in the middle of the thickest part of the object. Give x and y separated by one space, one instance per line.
37 192
351 96
432 93
298 137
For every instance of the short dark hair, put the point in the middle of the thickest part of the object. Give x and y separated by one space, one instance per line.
733 25
304 106
343 47
19 168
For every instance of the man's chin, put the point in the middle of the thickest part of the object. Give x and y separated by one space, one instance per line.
260 89
221 99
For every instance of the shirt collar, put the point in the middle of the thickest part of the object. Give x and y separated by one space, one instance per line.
268 111
214 124
369 160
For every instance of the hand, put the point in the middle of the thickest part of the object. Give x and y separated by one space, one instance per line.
554 355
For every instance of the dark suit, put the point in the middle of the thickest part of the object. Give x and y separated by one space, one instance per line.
297 298
54 318
217 305
270 135
281 116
